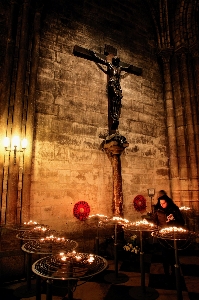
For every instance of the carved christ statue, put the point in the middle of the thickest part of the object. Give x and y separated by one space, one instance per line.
114 144
113 71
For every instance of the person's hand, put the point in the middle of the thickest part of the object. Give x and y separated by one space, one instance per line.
170 218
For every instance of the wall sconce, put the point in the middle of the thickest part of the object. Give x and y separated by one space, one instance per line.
15 145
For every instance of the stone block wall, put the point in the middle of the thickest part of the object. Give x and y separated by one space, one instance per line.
72 111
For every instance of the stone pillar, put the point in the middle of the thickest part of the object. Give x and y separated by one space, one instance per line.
4 103
194 89
114 148
170 121
13 203
25 215
180 133
189 132
194 107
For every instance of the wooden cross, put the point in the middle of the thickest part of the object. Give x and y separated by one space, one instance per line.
114 74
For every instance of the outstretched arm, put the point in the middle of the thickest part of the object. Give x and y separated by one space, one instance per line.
126 71
131 69
100 60
101 68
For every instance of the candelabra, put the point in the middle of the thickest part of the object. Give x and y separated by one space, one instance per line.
97 221
15 145
29 231
71 267
141 292
174 234
116 277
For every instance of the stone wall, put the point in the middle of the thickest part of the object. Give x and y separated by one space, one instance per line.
72 111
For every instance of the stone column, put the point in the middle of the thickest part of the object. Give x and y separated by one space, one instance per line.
194 89
189 132
25 215
114 148
13 203
195 111
180 133
171 128
4 103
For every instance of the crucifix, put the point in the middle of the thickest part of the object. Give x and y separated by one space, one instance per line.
115 143
115 72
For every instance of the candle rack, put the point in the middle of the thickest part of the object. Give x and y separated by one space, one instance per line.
176 234
116 277
41 240
141 292
35 233
71 267
97 221
49 246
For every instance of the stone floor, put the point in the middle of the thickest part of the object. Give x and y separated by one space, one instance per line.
126 286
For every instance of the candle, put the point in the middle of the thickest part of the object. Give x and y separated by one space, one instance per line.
91 258
78 257
39 228
120 220
143 223
63 258
172 229
30 223
184 208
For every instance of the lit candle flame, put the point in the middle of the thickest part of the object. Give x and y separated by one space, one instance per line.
184 208
63 258
53 239
144 222
120 220
39 228
91 258
172 229
78 257
30 223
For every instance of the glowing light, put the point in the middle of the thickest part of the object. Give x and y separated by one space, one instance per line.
144 222
78 257
30 223
172 229
98 215
184 208
63 258
91 258
40 228
16 141
6 142
24 143
120 220
52 239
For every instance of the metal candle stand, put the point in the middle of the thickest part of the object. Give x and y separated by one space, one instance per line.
142 292
116 277
35 233
36 246
176 236
185 210
96 221
25 226
71 267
